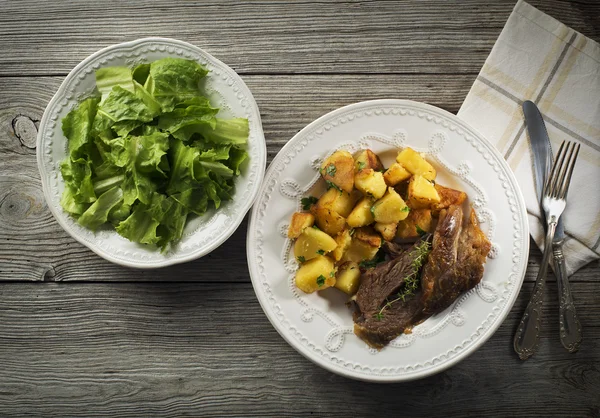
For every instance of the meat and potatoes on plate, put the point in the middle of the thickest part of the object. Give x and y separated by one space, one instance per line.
392 238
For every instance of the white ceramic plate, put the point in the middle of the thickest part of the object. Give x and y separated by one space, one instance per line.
319 325
201 235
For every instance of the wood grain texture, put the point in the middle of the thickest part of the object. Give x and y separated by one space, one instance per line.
206 349
434 36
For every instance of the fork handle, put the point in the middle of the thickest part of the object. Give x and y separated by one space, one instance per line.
570 327
528 333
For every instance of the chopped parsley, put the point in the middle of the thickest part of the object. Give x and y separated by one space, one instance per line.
352 231
333 185
405 209
361 165
301 259
307 202
367 264
321 252
332 274
373 210
316 227
330 170
321 280
420 230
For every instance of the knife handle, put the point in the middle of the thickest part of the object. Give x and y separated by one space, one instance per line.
570 327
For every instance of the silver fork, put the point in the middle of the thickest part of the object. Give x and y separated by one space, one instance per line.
554 201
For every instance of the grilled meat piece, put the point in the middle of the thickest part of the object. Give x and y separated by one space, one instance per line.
377 285
455 263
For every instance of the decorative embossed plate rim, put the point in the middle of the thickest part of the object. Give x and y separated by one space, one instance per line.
202 235
292 314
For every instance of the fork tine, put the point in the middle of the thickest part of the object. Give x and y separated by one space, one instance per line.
564 168
551 180
565 188
547 186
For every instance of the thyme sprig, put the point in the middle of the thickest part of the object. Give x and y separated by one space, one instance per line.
411 282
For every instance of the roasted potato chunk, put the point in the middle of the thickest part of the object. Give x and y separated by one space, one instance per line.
341 202
339 170
360 251
395 174
300 221
448 197
387 231
417 217
391 208
328 220
312 243
347 278
343 240
370 182
415 163
316 274
421 193
361 214
368 235
367 159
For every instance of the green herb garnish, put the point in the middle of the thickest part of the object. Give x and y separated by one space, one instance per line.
330 170
321 280
411 282
379 316
330 185
301 259
332 274
320 252
316 227
405 209
361 165
420 230
307 202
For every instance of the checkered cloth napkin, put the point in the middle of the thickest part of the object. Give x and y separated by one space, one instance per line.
538 58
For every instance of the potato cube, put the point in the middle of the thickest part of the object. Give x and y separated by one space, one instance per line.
390 208
328 220
368 235
360 251
339 170
367 159
448 197
417 217
361 214
300 221
316 274
395 174
312 243
342 203
421 193
343 240
415 163
370 182
387 231
348 278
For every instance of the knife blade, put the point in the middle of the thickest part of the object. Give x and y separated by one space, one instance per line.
569 325
542 158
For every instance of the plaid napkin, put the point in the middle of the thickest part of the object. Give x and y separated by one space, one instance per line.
538 58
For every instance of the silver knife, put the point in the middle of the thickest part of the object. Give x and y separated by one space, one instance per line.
570 327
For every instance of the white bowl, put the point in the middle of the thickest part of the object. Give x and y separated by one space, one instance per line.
202 234
319 325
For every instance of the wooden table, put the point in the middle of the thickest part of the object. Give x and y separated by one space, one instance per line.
80 336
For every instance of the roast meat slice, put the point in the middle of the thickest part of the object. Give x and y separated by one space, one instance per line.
455 263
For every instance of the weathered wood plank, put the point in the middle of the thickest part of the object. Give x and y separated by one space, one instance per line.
433 36
205 349
34 247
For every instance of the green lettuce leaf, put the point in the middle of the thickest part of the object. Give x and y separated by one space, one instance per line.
174 80
97 213
77 127
109 77
78 181
121 104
